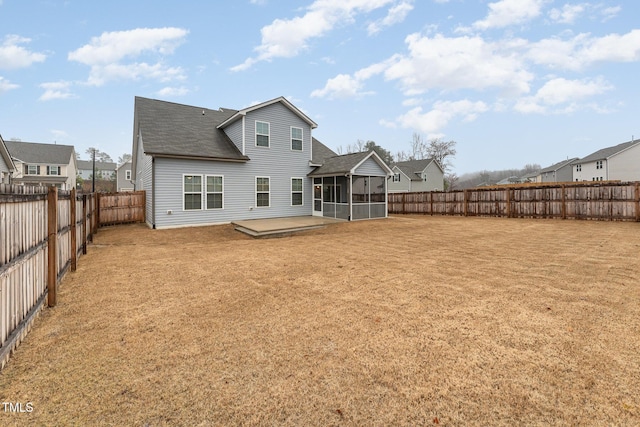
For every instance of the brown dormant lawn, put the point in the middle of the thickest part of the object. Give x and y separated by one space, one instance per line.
406 321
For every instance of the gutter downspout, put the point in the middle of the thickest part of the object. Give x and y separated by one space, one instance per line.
153 192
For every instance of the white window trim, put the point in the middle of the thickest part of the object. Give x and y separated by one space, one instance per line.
184 193
127 175
268 135
29 171
301 191
301 138
50 167
268 192
396 177
205 193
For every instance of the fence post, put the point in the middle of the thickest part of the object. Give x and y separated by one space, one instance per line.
52 233
74 235
431 202
84 224
97 211
509 190
564 202
465 201
637 201
403 203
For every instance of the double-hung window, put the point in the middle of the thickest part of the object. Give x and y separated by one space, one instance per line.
262 192
127 175
296 192
296 139
578 168
53 170
33 169
599 164
192 190
396 177
214 192
262 134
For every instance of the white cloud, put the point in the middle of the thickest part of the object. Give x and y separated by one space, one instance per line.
107 54
59 134
458 63
505 13
56 90
610 12
583 50
341 86
568 14
286 38
13 56
560 95
6 85
173 91
396 14
439 116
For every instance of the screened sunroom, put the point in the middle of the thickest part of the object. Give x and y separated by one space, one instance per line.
350 187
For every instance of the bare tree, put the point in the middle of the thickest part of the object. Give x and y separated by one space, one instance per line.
101 156
442 152
124 158
451 181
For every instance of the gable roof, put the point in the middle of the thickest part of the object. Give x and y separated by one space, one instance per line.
605 153
557 166
347 163
4 153
320 152
128 162
413 168
238 114
178 130
103 166
34 152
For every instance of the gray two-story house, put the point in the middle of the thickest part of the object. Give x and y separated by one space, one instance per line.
416 175
558 172
201 166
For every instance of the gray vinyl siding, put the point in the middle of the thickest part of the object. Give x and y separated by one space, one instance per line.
434 181
143 180
3 165
234 132
121 178
370 167
625 166
278 162
396 187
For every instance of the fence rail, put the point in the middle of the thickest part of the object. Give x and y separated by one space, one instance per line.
43 231
603 201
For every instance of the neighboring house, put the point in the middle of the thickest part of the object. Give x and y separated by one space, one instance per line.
618 163
416 175
123 177
532 177
559 172
200 166
104 170
7 167
510 180
43 164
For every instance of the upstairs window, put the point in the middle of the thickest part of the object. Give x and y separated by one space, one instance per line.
396 177
578 168
599 164
296 139
127 175
53 170
262 134
32 170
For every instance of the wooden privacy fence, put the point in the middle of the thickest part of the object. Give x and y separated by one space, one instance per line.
43 231
602 201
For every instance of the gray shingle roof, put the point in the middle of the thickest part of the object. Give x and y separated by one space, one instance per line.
104 166
34 152
172 129
413 168
338 165
558 166
605 153
320 152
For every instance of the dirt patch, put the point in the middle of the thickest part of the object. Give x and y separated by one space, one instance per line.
406 321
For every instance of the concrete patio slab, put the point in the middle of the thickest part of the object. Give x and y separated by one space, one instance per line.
276 227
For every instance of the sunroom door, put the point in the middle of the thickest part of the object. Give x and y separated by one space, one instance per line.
317 196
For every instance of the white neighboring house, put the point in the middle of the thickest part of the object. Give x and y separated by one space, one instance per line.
43 164
416 175
123 177
618 163
7 167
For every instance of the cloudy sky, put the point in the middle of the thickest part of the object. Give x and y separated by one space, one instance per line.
512 81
